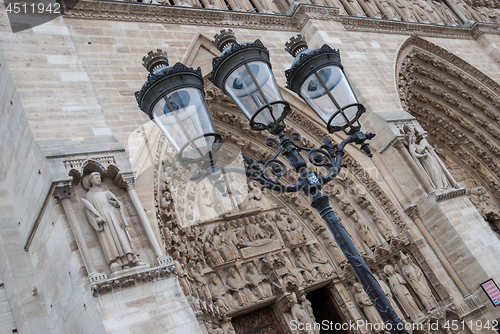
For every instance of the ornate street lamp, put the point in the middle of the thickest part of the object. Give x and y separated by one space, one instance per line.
318 77
173 98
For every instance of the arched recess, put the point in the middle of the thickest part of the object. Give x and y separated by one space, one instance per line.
357 198
458 106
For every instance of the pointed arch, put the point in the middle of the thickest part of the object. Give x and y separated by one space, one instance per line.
459 107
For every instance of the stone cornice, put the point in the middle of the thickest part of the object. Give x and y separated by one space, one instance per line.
143 12
416 29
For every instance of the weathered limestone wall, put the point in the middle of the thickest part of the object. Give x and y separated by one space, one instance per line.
154 307
7 323
43 285
20 183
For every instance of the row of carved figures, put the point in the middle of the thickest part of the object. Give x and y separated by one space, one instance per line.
445 12
249 282
397 286
404 284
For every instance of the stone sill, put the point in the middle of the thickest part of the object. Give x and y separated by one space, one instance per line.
131 277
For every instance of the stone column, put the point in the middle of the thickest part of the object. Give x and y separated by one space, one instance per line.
348 8
459 13
367 10
161 259
399 144
62 191
412 212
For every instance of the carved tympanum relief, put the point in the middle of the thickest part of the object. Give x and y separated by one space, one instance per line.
458 106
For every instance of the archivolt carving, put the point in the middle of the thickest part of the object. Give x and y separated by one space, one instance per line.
458 107
252 257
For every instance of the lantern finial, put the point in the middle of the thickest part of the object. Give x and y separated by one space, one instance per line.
224 39
154 60
296 45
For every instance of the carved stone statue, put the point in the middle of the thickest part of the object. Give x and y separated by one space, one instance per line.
256 197
203 204
201 286
105 213
261 288
324 268
302 315
368 308
388 294
424 154
405 8
397 285
212 254
339 257
366 234
301 261
222 246
391 13
484 204
183 277
416 279
218 291
382 226
240 287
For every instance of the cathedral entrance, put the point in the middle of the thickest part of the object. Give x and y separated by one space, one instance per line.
262 321
326 311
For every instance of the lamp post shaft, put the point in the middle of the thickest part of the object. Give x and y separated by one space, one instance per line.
370 284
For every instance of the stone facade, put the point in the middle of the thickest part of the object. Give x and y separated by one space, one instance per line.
424 212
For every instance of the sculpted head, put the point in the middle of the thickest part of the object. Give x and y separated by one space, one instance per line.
95 178
293 298
389 270
358 287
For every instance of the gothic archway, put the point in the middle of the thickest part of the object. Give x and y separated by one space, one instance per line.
458 106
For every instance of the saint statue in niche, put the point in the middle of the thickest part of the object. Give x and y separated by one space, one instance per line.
397 285
303 315
424 154
368 308
105 213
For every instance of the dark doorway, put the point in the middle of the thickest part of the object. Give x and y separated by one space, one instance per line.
262 321
326 311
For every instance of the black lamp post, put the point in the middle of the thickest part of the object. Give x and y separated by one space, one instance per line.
243 72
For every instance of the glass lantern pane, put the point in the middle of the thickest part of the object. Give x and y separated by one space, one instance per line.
182 116
327 91
252 86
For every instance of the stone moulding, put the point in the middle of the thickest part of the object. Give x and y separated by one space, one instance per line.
447 194
130 279
417 29
156 13
41 209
